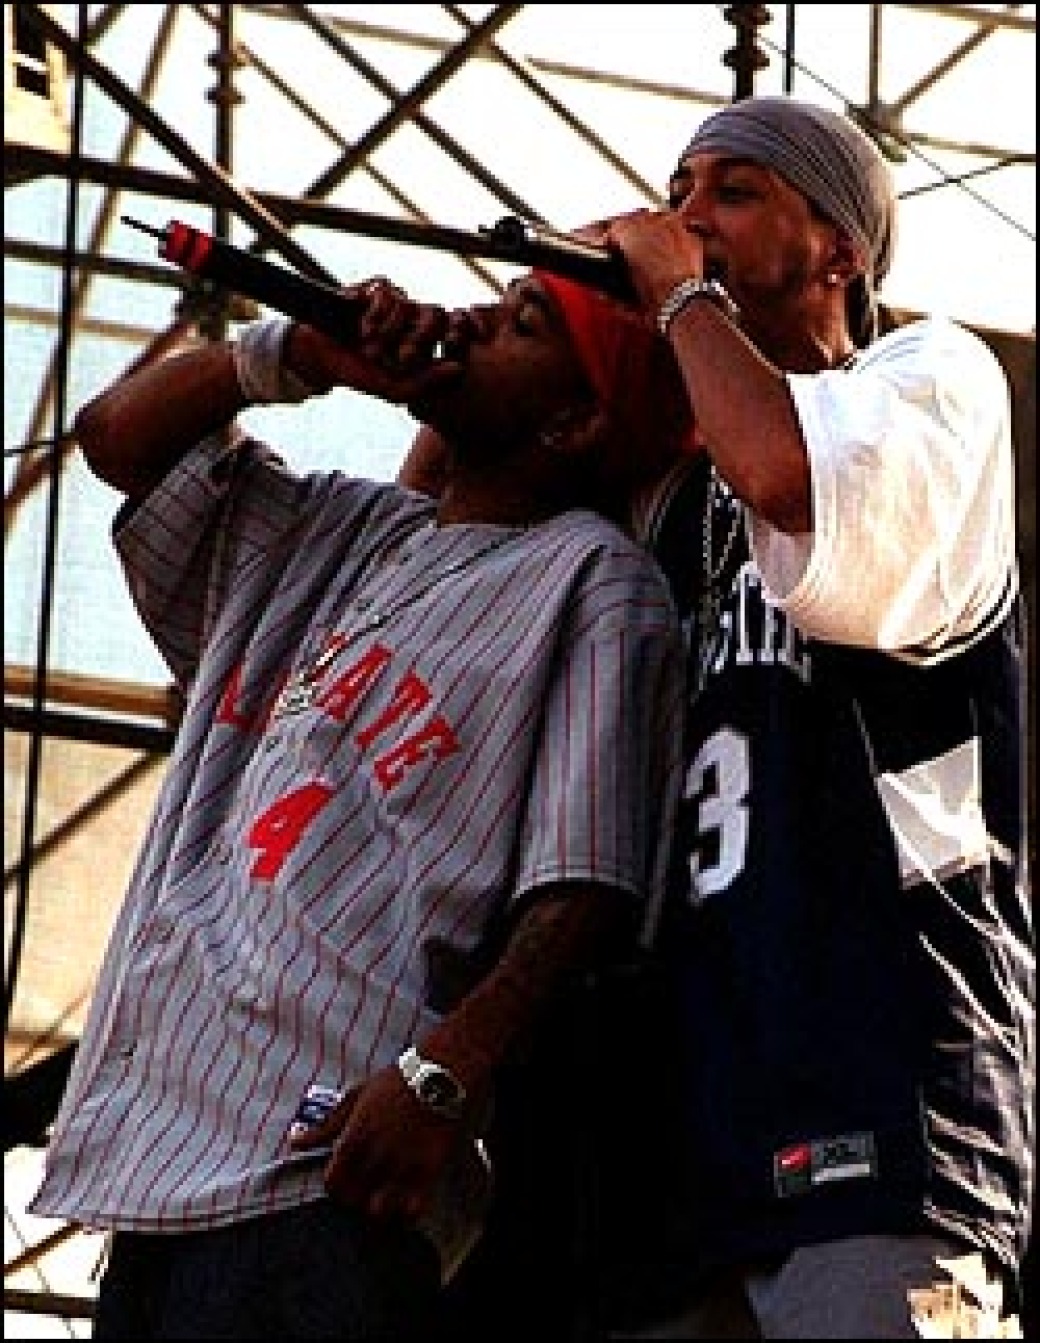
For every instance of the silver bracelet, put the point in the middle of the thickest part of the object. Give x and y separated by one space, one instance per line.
686 292
258 352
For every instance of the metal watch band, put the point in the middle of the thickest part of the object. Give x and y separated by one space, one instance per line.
432 1084
686 292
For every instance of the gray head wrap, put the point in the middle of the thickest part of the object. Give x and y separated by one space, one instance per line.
822 154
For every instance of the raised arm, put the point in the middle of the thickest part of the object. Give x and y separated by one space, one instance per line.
138 427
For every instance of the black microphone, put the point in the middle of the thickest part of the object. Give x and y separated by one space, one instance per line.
336 314
286 291
561 254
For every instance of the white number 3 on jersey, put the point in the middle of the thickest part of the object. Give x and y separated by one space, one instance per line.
720 776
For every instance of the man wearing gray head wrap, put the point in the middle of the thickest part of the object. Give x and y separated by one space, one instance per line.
851 947
826 157
848 948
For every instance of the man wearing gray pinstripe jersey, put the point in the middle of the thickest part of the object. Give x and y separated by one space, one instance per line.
424 781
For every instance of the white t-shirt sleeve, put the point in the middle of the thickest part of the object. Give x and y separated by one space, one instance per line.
913 541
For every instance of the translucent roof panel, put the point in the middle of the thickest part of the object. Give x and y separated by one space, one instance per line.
329 116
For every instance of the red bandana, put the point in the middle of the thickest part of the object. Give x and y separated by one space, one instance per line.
626 362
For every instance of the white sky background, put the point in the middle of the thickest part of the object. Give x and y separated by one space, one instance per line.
970 253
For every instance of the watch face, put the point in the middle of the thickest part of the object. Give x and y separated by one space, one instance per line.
438 1089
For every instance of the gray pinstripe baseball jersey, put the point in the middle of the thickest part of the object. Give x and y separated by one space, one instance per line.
392 730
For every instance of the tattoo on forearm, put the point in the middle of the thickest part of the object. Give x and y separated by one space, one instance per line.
554 942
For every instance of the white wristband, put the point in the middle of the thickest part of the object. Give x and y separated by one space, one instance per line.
257 353
686 292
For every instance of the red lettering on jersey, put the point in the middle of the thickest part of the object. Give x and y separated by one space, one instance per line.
278 830
229 710
410 695
346 690
269 706
435 739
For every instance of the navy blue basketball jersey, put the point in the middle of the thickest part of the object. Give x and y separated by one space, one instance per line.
848 931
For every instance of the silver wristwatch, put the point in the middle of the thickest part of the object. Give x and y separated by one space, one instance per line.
432 1084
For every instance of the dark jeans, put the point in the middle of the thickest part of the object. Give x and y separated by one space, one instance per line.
318 1271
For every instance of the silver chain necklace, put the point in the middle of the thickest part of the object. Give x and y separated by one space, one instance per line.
713 570
369 611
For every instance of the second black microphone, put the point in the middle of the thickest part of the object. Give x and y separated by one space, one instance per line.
319 305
